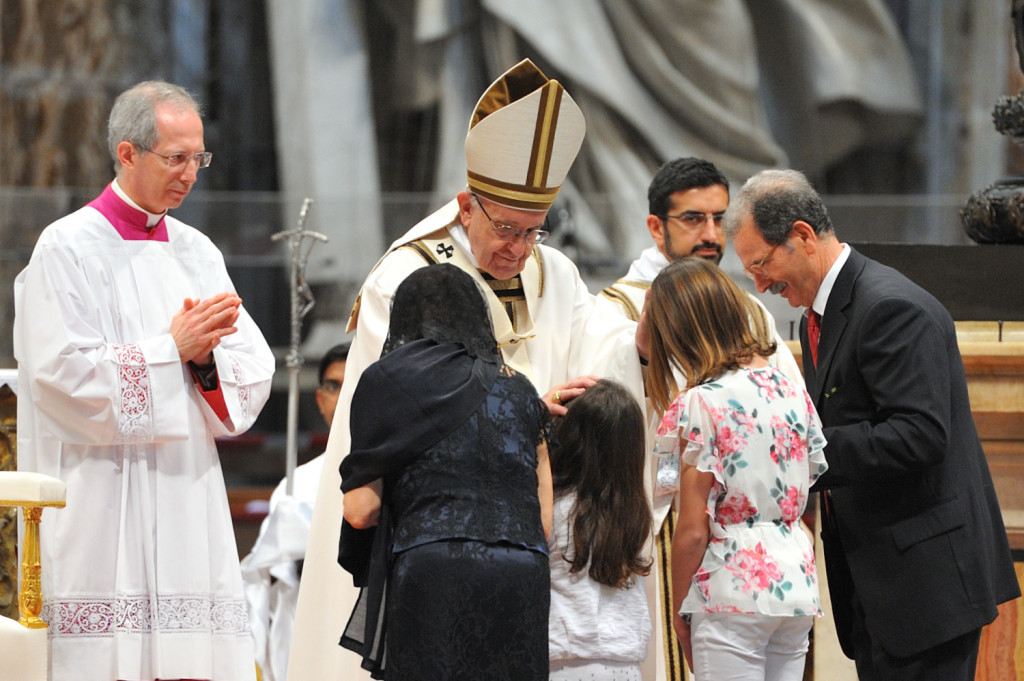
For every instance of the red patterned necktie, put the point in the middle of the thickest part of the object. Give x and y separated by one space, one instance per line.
813 332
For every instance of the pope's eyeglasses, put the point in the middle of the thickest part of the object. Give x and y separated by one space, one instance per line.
509 233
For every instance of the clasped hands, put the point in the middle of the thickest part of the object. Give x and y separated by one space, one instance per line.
200 324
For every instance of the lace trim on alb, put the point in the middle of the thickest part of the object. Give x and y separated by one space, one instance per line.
139 614
243 388
135 404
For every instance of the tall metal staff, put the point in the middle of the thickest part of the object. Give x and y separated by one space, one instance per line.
302 303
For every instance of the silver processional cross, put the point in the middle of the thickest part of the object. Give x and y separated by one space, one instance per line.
301 303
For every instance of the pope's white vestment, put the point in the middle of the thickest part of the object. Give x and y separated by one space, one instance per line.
563 335
141 578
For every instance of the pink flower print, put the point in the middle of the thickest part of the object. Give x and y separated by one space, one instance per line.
765 382
754 569
734 510
695 435
730 441
797 446
807 565
792 504
789 442
780 439
722 607
787 388
731 430
779 446
743 420
701 581
670 421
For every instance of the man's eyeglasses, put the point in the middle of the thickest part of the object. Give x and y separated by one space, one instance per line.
694 220
504 232
176 161
757 269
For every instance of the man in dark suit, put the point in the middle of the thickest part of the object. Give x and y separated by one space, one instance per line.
915 549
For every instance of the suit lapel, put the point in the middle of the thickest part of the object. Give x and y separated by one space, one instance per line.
835 320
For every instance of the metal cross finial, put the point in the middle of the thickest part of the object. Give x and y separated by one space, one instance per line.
302 302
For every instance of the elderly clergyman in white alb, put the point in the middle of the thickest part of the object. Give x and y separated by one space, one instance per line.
134 353
524 135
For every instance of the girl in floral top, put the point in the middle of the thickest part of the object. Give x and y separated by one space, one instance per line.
750 445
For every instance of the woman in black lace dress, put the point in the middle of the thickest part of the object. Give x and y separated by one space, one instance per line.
449 455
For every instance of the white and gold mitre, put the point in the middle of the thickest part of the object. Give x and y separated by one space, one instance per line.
523 137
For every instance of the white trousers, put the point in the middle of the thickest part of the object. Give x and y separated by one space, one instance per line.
730 646
595 671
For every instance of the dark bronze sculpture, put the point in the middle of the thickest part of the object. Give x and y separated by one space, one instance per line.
995 215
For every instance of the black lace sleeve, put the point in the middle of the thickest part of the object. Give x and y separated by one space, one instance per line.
545 426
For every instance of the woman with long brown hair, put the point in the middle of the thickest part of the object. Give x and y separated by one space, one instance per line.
749 444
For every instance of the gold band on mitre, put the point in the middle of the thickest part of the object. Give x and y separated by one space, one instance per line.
523 137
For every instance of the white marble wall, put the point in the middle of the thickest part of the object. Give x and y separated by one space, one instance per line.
324 129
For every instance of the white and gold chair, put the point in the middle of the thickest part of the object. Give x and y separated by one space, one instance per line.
23 646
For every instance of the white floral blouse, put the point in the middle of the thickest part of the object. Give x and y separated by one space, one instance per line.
760 436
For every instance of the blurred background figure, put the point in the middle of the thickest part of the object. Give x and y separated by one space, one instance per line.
272 569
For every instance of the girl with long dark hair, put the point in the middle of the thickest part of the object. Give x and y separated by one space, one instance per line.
599 623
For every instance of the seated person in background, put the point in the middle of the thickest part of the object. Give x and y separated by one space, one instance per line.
599 624
272 569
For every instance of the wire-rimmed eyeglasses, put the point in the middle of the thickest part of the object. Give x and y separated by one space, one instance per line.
694 220
757 269
176 161
534 235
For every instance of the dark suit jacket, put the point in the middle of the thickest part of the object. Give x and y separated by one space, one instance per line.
913 527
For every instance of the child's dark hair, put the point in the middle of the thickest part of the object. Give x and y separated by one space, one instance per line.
599 456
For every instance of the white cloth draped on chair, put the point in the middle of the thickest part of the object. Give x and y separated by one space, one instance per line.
23 644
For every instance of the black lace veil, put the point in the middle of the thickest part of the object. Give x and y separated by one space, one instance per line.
403 404
442 303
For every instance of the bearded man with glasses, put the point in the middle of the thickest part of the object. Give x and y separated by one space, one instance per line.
134 352
523 136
